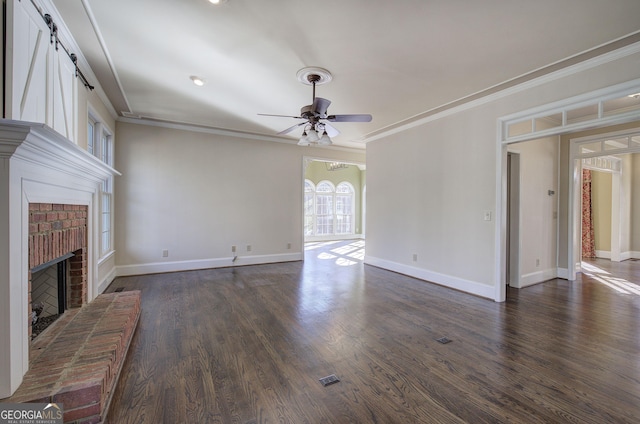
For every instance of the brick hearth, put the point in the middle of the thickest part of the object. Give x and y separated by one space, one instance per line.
78 363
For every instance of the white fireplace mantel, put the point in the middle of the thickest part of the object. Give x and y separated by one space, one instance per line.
37 165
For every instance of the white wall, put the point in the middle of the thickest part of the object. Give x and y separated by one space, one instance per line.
635 205
197 194
538 210
426 196
626 188
428 187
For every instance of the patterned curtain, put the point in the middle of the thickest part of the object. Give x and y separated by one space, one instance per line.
588 240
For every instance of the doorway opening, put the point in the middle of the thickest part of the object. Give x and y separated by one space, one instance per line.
333 198
603 185
607 107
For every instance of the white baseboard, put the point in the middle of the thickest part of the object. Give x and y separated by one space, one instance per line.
629 255
538 277
102 286
623 255
468 286
563 273
158 267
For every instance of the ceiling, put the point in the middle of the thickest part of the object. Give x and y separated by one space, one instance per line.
396 60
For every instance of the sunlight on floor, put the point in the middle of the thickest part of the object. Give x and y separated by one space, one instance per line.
618 284
317 245
345 253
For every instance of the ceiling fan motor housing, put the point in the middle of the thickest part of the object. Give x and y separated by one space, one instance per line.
307 112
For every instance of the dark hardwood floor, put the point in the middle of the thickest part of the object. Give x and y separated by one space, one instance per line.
248 345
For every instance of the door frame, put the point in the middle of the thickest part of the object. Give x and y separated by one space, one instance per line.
562 109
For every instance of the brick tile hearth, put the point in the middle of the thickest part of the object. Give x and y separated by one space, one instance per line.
79 365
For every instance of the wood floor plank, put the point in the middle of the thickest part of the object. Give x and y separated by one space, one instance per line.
248 345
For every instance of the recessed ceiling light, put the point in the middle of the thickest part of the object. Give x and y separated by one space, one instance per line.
197 80
217 2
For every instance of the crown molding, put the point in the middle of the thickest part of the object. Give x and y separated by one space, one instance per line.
560 69
227 133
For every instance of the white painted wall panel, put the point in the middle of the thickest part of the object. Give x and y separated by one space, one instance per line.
63 108
30 49
42 86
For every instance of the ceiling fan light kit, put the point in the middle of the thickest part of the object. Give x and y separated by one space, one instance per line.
316 128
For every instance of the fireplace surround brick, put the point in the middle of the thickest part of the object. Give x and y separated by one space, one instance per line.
55 230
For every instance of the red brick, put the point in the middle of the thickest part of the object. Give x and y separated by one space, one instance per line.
96 419
81 413
79 395
38 217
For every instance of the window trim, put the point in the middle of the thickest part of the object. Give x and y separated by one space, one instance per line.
102 147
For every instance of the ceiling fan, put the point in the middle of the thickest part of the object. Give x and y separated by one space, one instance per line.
317 129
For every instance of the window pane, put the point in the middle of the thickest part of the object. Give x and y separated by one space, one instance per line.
324 187
582 114
590 148
616 143
308 225
90 136
308 204
106 148
546 122
325 225
105 223
308 186
324 205
520 128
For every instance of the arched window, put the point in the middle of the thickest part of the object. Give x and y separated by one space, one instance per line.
325 193
309 207
328 210
344 209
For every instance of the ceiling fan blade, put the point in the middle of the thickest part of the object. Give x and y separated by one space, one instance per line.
291 128
320 106
330 130
349 118
281 116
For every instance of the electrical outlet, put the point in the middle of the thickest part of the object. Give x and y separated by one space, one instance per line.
288 246
537 262
415 257
165 253
233 249
487 215
248 248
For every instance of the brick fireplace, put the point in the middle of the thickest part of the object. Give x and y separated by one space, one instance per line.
56 230
49 206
